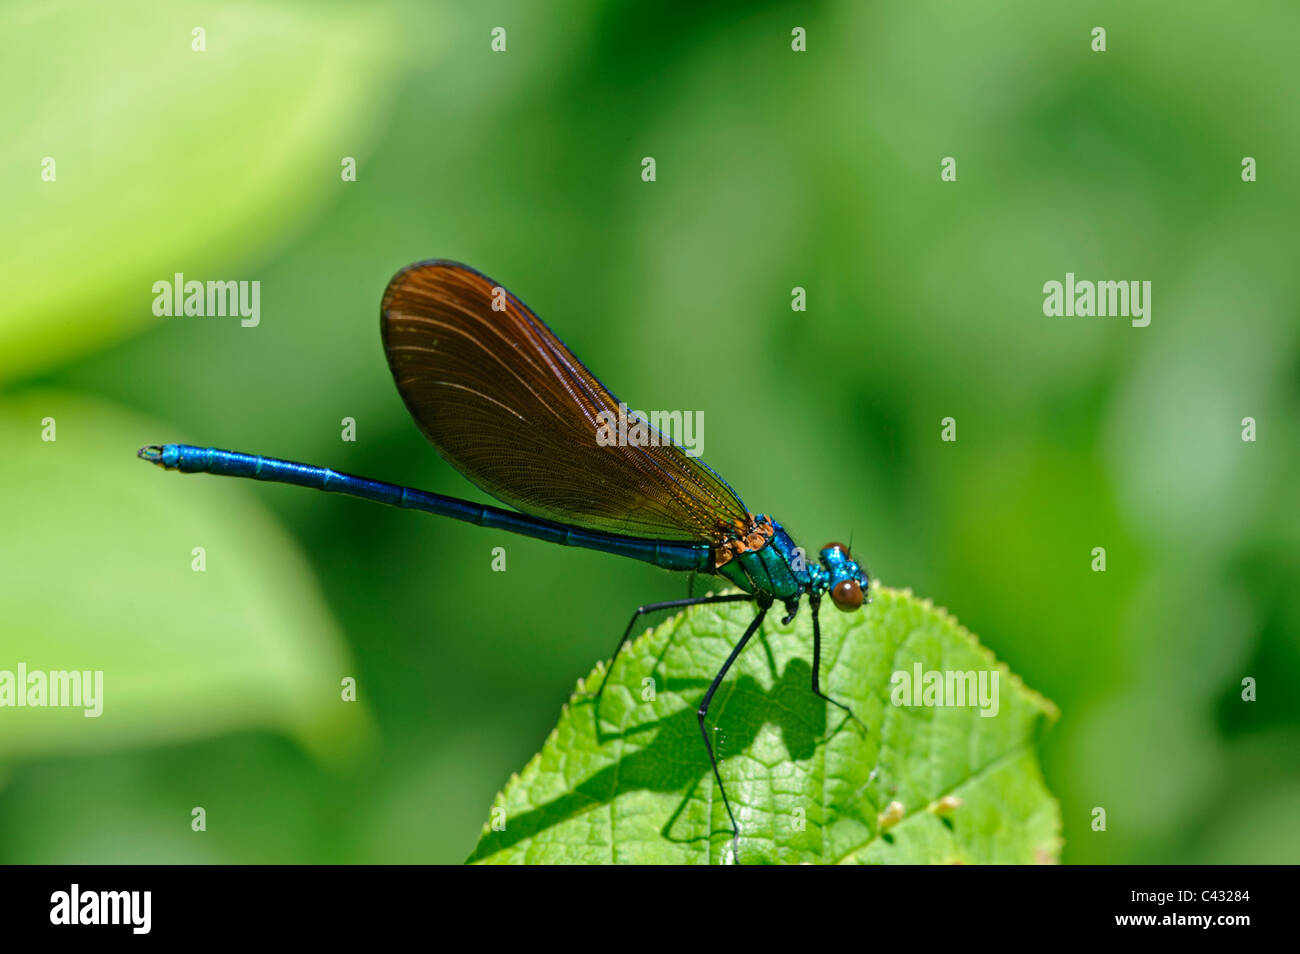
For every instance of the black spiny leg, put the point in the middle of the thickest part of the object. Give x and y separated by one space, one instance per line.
655 607
763 603
814 604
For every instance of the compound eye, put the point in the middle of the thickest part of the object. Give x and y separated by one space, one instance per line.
837 546
847 596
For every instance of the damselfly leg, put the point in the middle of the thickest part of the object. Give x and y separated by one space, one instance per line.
764 602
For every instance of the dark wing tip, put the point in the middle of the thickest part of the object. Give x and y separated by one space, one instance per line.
404 275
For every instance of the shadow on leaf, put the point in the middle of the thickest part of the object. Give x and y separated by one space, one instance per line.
675 760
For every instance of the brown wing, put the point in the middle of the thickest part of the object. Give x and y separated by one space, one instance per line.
505 403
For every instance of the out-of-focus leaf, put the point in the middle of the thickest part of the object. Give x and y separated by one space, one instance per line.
806 785
167 159
97 557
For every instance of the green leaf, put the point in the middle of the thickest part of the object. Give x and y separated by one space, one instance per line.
806 784
167 159
97 558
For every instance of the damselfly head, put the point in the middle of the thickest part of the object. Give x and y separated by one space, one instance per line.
849 583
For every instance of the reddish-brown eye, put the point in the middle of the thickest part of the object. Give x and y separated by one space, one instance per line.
837 546
847 596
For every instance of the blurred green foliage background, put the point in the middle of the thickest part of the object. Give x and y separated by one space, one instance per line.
775 169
